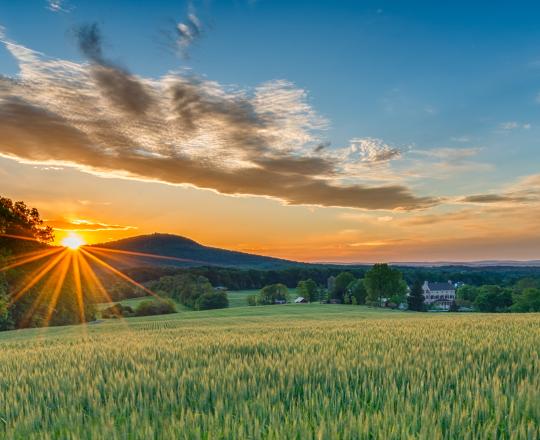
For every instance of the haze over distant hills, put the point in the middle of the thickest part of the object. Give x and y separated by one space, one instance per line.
186 252
480 263
193 253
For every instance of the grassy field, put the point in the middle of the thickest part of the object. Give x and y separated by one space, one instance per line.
237 298
277 372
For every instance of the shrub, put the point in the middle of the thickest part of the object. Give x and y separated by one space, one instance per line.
117 311
155 307
252 300
212 300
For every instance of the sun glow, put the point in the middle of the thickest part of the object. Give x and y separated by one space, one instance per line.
61 264
73 241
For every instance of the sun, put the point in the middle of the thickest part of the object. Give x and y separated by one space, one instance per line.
73 241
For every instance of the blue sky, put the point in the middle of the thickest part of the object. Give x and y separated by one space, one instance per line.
410 72
451 85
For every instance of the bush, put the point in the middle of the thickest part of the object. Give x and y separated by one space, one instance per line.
212 300
155 307
117 311
252 300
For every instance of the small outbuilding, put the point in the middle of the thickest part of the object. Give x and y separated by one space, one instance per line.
300 300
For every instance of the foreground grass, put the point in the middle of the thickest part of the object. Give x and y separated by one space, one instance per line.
297 371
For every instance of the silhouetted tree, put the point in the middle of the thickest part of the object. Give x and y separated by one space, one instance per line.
17 219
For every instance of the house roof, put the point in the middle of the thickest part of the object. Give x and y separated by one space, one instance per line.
440 286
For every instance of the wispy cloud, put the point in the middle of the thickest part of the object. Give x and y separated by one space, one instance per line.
80 225
183 129
188 32
525 190
56 6
513 125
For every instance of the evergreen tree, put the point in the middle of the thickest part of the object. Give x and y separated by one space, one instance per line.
415 299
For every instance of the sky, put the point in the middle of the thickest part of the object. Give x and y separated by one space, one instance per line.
351 131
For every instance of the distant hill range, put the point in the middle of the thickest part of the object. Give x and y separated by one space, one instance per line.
184 252
479 264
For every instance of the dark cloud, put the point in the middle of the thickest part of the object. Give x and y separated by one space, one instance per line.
322 146
309 166
123 90
90 42
197 133
494 198
32 134
192 105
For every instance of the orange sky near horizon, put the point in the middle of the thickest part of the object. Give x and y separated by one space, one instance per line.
104 209
384 150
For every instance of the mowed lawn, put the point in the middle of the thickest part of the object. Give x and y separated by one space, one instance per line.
275 372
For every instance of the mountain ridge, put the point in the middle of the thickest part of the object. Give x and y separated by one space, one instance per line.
195 254
180 247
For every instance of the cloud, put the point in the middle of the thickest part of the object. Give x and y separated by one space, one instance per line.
525 190
448 154
370 150
185 33
123 90
513 125
491 198
444 163
56 5
181 129
322 146
461 139
80 225
189 30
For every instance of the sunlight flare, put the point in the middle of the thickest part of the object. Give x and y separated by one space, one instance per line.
73 241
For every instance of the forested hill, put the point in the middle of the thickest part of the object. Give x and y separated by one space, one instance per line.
193 253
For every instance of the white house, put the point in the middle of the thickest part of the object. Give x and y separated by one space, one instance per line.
440 294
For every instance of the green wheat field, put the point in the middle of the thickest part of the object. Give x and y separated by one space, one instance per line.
275 372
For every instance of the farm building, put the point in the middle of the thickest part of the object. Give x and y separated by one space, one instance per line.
439 294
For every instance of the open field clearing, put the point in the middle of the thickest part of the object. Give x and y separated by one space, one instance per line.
237 298
296 371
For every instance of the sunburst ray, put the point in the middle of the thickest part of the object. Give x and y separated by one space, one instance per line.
57 275
29 257
118 273
57 289
92 279
37 277
78 287
142 254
